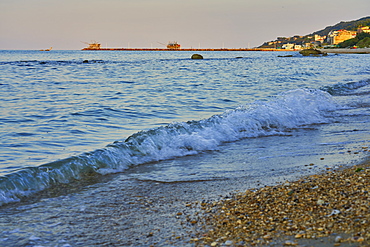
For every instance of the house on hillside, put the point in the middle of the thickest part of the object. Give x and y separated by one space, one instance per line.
363 30
319 38
288 46
338 36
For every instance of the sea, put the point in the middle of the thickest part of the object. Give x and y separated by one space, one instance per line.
120 148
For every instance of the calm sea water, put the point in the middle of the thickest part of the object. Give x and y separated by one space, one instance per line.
72 116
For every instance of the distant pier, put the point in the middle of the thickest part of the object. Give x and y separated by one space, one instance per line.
185 49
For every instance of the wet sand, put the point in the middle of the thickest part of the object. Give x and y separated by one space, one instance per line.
327 209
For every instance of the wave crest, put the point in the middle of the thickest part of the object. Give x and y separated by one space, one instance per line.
292 109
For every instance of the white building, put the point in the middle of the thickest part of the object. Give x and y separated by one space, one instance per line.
288 46
291 46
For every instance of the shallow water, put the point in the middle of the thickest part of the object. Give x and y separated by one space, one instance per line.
127 138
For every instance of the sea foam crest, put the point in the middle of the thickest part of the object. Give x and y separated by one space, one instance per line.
287 111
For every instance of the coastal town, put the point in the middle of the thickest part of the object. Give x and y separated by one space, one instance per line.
331 40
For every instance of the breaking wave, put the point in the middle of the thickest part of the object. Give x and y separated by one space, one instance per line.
290 110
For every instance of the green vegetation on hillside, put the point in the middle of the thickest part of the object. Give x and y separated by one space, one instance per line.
361 41
347 25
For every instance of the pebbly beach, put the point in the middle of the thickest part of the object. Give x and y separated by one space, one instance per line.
330 208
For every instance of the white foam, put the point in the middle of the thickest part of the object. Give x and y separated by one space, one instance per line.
279 116
292 109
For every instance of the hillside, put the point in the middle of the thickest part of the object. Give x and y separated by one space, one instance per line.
347 25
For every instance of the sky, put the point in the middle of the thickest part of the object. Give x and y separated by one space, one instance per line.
66 24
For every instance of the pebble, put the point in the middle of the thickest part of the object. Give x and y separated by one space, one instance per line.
320 202
290 243
338 239
267 236
360 239
229 243
298 235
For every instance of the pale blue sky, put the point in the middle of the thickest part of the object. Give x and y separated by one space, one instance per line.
63 24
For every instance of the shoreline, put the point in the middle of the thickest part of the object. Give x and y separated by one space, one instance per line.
131 212
347 51
330 208
186 49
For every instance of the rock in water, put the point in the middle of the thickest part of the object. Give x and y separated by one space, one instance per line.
312 52
286 56
196 56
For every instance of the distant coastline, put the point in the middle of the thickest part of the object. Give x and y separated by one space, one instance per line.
186 49
189 49
333 50
337 50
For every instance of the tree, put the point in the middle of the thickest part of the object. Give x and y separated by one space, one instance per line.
364 43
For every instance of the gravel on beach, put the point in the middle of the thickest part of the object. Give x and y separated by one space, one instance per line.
332 207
